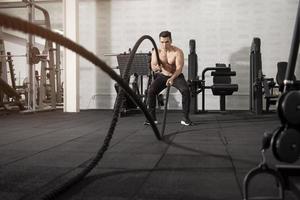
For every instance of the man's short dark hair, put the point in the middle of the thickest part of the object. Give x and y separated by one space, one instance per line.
165 34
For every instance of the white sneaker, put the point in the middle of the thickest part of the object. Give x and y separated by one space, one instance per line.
148 123
186 122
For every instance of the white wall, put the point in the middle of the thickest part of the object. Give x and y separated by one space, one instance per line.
223 30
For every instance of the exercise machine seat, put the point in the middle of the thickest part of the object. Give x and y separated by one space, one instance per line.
222 81
224 89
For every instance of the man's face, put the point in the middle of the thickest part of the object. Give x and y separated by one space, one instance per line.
165 43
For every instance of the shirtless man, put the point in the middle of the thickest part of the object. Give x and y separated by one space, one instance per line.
169 73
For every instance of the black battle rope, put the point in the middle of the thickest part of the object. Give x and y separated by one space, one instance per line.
165 111
130 61
26 27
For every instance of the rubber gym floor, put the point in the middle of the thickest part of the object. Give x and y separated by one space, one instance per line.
207 161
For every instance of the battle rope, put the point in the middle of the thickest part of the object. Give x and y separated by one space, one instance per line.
26 27
165 111
130 61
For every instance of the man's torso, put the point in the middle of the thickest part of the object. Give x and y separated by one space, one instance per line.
168 57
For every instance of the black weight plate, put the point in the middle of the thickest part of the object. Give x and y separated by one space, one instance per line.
279 108
288 145
291 107
274 139
34 53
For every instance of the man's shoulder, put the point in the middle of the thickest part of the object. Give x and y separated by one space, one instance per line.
177 50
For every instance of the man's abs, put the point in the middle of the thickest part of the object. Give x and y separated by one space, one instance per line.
166 73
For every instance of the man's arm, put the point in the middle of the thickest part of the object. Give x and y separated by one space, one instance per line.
154 63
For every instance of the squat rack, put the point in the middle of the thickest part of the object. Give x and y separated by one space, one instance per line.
50 61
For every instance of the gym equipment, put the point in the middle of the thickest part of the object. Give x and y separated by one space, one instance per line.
286 144
9 96
11 70
193 79
46 91
263 168
285 140
260 86
20 89
281 70
42 93
268 92
10 92
221 83
289 108
34 55
221 74
271 89
270 85
256 78
140 67
3 71
5 56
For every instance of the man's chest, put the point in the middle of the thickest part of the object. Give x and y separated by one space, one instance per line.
167 57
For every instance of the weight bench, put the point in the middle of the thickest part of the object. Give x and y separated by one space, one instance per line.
222 85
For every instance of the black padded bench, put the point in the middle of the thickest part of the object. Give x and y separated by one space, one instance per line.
222 85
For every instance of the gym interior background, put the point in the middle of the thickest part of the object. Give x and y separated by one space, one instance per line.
223 30
44 154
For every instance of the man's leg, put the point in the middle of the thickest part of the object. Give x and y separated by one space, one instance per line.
181 84
158 84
